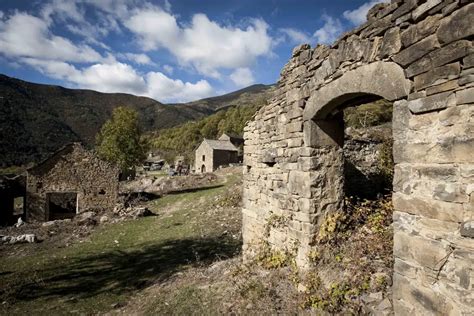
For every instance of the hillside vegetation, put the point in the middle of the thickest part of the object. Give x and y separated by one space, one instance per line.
183 139
36 119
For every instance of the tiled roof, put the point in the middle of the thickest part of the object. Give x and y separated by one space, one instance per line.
221 145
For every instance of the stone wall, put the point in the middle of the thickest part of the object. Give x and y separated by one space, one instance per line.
418 54
72 169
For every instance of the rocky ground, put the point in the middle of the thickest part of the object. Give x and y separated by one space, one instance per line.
186 260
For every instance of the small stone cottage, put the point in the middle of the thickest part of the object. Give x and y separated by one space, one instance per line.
71 181
212 154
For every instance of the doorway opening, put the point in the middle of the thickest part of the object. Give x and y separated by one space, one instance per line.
367 148
62 205
203 169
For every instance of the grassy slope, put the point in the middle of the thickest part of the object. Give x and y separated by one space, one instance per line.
120 259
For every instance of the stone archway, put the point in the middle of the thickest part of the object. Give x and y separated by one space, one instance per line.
323 129
421 57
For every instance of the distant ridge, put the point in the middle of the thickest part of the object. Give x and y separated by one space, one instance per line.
37 119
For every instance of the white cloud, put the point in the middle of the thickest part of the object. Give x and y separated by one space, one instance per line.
168 69
296 36
174 90
242 77
359 15
331 29
203 44
23 35
141 59
120 77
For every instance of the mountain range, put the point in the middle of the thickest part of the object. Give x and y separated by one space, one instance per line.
38 119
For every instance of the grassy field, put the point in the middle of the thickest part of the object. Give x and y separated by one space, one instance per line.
117 261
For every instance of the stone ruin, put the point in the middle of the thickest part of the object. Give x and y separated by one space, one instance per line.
73 180
420 55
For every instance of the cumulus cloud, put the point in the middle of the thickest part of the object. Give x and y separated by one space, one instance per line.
242 77
330 30
121 77
204 44
24 35
296 36
359 15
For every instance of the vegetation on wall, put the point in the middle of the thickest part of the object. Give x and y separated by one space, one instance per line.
183 139
369 114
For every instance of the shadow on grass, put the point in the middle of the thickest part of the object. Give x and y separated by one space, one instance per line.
192 190
119 272
134 198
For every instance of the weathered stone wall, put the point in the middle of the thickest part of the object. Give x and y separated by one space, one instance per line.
204 151
418 54
73 169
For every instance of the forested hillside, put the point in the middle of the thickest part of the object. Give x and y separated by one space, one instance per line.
183 139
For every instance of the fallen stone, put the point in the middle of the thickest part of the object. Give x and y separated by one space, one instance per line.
142 212
19 222
26 238
467 229
104 219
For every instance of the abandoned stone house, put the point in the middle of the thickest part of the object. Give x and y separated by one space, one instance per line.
71 181
235 140
420 56
211 154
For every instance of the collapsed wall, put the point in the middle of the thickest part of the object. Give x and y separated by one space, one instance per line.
420 55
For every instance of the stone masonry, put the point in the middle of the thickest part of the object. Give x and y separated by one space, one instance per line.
419 55
72 169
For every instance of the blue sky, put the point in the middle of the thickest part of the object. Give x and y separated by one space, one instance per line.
172 51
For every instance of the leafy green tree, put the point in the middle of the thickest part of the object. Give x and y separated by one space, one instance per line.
119 140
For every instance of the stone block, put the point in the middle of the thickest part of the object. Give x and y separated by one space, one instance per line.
294 127
421 30
458 25
405 8
450 192
439 57
428 207
422 10
466 80
416 51
391 43
299 183
432 103
465 96
447 86
436 75
468 61
407 247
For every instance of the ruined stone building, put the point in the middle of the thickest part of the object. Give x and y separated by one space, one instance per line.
71 181
212 154
420 56
12 198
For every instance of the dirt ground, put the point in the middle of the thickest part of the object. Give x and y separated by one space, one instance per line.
186 260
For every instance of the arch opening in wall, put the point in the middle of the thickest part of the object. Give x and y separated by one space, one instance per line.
203 169
324 125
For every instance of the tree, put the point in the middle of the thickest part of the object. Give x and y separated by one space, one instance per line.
119 140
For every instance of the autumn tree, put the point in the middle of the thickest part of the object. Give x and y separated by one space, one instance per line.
119 140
